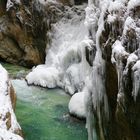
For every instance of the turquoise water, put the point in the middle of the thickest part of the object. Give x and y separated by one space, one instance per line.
43 114
15 71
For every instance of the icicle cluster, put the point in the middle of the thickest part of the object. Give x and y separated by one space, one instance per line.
127 47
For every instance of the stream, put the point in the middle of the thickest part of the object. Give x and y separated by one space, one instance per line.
43 113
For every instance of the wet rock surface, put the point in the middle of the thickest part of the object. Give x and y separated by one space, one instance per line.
24 30
120 79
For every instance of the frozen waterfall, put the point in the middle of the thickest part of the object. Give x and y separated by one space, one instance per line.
66 64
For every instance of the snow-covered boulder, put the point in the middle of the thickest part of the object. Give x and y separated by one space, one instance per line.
9 127
77 105
43 76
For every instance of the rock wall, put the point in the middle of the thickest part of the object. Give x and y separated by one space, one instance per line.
23 31
119 42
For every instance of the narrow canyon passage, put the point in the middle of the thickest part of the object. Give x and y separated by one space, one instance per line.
89 49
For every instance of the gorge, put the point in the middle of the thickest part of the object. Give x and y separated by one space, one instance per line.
88 49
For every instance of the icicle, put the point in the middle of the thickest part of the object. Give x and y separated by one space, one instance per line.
136 79
118 55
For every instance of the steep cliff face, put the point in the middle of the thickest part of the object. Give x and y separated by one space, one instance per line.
23 31
9 127
16 36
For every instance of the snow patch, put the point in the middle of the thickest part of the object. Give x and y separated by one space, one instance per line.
129 24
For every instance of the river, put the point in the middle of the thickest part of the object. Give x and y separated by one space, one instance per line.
43 113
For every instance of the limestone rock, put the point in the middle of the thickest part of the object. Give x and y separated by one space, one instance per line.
22 37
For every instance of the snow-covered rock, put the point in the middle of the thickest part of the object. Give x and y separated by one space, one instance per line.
133 3
9 127
129 24
7 135
131 59
118 51
77 105
43 76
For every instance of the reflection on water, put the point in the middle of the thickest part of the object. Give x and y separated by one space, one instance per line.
43 114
